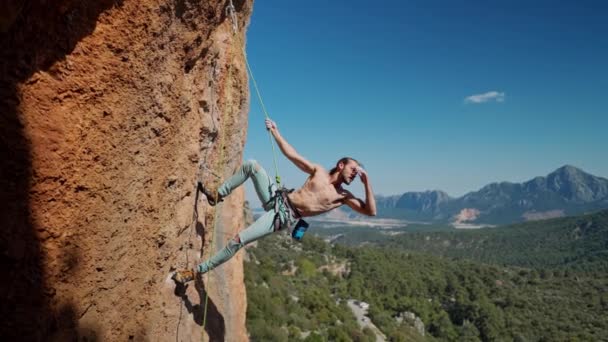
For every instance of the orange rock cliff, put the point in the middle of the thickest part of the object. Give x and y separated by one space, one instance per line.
111 111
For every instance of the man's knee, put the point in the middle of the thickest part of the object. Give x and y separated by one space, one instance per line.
252 165
235 244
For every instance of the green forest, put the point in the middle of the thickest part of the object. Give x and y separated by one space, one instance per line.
576 243
298 291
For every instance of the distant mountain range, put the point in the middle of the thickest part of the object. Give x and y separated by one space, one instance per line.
565 191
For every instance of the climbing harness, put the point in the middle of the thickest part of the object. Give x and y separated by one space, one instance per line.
295 224
280 197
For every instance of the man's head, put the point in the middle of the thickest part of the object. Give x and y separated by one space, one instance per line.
346 168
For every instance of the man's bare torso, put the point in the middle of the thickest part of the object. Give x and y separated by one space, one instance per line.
317 195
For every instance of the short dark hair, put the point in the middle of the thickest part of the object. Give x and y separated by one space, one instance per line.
343 160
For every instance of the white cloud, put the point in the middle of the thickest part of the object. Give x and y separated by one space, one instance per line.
486 97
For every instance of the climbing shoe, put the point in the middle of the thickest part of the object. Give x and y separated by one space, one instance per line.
183 276
212 197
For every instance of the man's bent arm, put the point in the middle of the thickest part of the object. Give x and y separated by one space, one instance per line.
289 151
370 200
367 207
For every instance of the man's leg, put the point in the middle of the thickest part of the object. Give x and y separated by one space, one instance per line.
261 182
260 228
263 226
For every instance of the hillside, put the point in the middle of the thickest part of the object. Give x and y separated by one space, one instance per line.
578 242
565 191
298 292
575 243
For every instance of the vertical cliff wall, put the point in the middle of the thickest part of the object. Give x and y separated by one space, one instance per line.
108 110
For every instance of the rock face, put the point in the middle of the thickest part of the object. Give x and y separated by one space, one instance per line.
110 113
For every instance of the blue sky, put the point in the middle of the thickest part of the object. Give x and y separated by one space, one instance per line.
432 94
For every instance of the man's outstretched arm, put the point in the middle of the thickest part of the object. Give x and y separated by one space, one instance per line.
367 207
288 150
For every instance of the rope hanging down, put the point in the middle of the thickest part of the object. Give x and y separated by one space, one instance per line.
231 12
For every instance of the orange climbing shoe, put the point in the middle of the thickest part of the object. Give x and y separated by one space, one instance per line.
183 276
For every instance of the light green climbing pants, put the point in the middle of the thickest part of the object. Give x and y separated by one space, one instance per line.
264 225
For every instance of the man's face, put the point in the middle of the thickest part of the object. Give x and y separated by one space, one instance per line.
349 172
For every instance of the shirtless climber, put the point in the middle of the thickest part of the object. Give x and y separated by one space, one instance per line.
321 192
